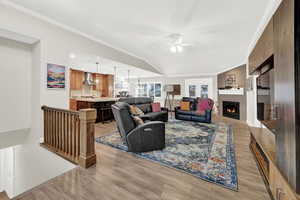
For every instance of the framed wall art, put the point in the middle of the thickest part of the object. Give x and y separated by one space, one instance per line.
56 76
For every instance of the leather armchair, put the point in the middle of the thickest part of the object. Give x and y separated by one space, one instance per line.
145 137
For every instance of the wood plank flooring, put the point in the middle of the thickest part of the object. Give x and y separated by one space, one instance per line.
120 175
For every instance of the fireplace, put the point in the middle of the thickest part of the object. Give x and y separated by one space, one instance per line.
231 109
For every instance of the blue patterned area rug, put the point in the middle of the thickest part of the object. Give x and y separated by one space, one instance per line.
203 150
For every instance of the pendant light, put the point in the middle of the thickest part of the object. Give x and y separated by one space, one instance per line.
128 82
115 80
97 67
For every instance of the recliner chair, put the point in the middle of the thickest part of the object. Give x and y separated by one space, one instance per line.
145 137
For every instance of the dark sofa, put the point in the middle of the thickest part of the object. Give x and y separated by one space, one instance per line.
139 138
192 115
144 103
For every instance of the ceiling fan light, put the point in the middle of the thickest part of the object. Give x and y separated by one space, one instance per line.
173 49
179 49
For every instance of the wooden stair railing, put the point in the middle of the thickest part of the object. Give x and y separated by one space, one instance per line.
3 196
71 134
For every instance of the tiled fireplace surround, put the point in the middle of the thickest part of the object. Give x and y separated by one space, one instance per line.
240 75
241 99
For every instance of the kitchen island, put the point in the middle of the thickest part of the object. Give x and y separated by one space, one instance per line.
101 104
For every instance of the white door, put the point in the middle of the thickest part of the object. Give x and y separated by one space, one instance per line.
199 88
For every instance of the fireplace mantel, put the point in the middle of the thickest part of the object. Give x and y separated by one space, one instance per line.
233 91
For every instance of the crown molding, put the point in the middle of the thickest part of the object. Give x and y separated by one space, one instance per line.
73 30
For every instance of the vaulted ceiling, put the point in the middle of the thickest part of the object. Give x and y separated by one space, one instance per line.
219 31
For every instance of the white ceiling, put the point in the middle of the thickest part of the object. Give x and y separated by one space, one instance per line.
88 63
220 30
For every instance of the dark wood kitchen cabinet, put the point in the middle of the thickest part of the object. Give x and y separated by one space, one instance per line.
104 111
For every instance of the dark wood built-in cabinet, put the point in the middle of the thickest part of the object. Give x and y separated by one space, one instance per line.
263 50
264 148
284 60
281 42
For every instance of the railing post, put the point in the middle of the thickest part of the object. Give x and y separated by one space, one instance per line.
87 156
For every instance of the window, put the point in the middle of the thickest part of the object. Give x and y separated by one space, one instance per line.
157 90
142 90
204 91
149 90
192 90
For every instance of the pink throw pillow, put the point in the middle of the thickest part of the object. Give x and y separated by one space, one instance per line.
202 106
156 107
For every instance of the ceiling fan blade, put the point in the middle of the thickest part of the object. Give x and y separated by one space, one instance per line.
179 40
186 45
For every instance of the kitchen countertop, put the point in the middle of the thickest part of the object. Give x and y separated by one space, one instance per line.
97 99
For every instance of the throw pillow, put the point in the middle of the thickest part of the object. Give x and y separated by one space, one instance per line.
135 110
204 104
199 110
145 108
156 107
138 121
185 105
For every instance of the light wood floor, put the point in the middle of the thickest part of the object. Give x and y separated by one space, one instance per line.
120 175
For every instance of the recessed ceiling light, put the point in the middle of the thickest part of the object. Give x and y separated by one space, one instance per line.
72 55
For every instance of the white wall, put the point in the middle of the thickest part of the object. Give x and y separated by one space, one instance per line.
34 165
6 170
15 87
15 105
1 173
252 104
25 164
56 45
172 80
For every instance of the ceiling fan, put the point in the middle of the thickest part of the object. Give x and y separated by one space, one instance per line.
177 45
